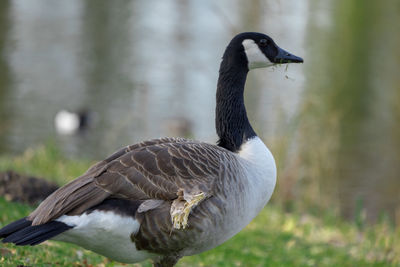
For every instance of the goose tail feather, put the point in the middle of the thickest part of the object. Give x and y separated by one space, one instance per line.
21 232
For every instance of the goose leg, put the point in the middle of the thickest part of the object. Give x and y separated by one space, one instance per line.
166 261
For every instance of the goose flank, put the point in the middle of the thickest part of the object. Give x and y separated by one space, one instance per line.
167 198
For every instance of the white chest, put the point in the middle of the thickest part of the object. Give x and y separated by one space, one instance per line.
258 182
260 172
258 178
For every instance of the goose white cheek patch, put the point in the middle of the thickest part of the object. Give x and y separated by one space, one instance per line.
255 57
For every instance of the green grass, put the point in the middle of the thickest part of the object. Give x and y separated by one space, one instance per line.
45 161
274 238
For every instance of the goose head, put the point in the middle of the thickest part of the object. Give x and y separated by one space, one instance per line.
258 50
246 51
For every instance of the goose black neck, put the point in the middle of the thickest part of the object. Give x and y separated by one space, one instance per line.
233 126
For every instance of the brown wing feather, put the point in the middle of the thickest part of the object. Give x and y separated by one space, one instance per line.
155 169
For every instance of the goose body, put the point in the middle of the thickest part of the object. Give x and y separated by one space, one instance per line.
167 198
96 230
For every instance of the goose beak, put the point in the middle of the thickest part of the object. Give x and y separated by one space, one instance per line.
285 57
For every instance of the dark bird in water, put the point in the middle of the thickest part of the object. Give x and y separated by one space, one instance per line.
167 198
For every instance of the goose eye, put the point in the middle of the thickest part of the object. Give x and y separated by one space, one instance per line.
263 42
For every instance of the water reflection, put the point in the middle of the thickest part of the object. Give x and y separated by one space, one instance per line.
133 63
6 109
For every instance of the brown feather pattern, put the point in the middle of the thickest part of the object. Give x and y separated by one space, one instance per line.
155 172
154 169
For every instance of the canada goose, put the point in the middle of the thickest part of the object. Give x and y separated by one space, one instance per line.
167 198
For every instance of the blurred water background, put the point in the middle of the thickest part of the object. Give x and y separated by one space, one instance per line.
147 69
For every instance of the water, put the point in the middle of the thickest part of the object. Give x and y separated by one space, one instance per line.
136 64
148 69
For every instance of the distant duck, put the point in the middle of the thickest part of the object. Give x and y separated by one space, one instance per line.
69 123
167 198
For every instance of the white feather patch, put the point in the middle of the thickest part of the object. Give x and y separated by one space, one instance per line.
255 58
105 233
260 170
66 122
